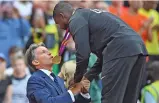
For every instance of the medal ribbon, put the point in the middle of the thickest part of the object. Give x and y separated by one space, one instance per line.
64 42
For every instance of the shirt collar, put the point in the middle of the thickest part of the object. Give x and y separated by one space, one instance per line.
47 72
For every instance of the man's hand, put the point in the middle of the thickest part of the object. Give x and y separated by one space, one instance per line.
86 84
76 88
71 83
82 87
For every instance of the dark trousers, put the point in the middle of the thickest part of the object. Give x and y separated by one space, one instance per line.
122 79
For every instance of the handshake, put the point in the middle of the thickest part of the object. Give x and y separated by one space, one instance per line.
81 87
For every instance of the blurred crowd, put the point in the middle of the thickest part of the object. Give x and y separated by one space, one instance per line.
25 22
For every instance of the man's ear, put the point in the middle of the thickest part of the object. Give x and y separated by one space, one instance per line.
62 15
35 62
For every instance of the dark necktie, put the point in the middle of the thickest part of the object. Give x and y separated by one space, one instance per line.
56 81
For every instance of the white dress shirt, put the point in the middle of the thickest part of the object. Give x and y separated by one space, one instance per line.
87 96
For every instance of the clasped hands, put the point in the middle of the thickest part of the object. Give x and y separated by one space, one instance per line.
81 87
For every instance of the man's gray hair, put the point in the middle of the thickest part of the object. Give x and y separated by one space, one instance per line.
62 7
30 55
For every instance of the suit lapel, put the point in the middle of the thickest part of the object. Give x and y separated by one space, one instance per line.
50 81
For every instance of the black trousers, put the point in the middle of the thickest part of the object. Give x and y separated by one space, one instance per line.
122 79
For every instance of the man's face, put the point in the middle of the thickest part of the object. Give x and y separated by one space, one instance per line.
136 4
62 21
7 10
19 66
43 57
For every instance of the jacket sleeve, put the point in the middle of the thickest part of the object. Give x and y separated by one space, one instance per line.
37 92
95 70
80 31
80 99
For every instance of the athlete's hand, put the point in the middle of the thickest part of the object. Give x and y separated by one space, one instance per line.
86 85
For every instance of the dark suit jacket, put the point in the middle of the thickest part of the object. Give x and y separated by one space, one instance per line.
103 34
41 89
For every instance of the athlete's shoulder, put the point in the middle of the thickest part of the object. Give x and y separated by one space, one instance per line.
78 15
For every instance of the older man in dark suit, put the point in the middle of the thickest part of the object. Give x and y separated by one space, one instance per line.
44 86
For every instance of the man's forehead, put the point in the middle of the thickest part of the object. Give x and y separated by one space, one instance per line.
39 49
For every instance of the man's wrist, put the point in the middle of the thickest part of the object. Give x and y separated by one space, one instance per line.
73 90
76 88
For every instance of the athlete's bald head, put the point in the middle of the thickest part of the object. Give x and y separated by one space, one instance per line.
62 7
62 13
